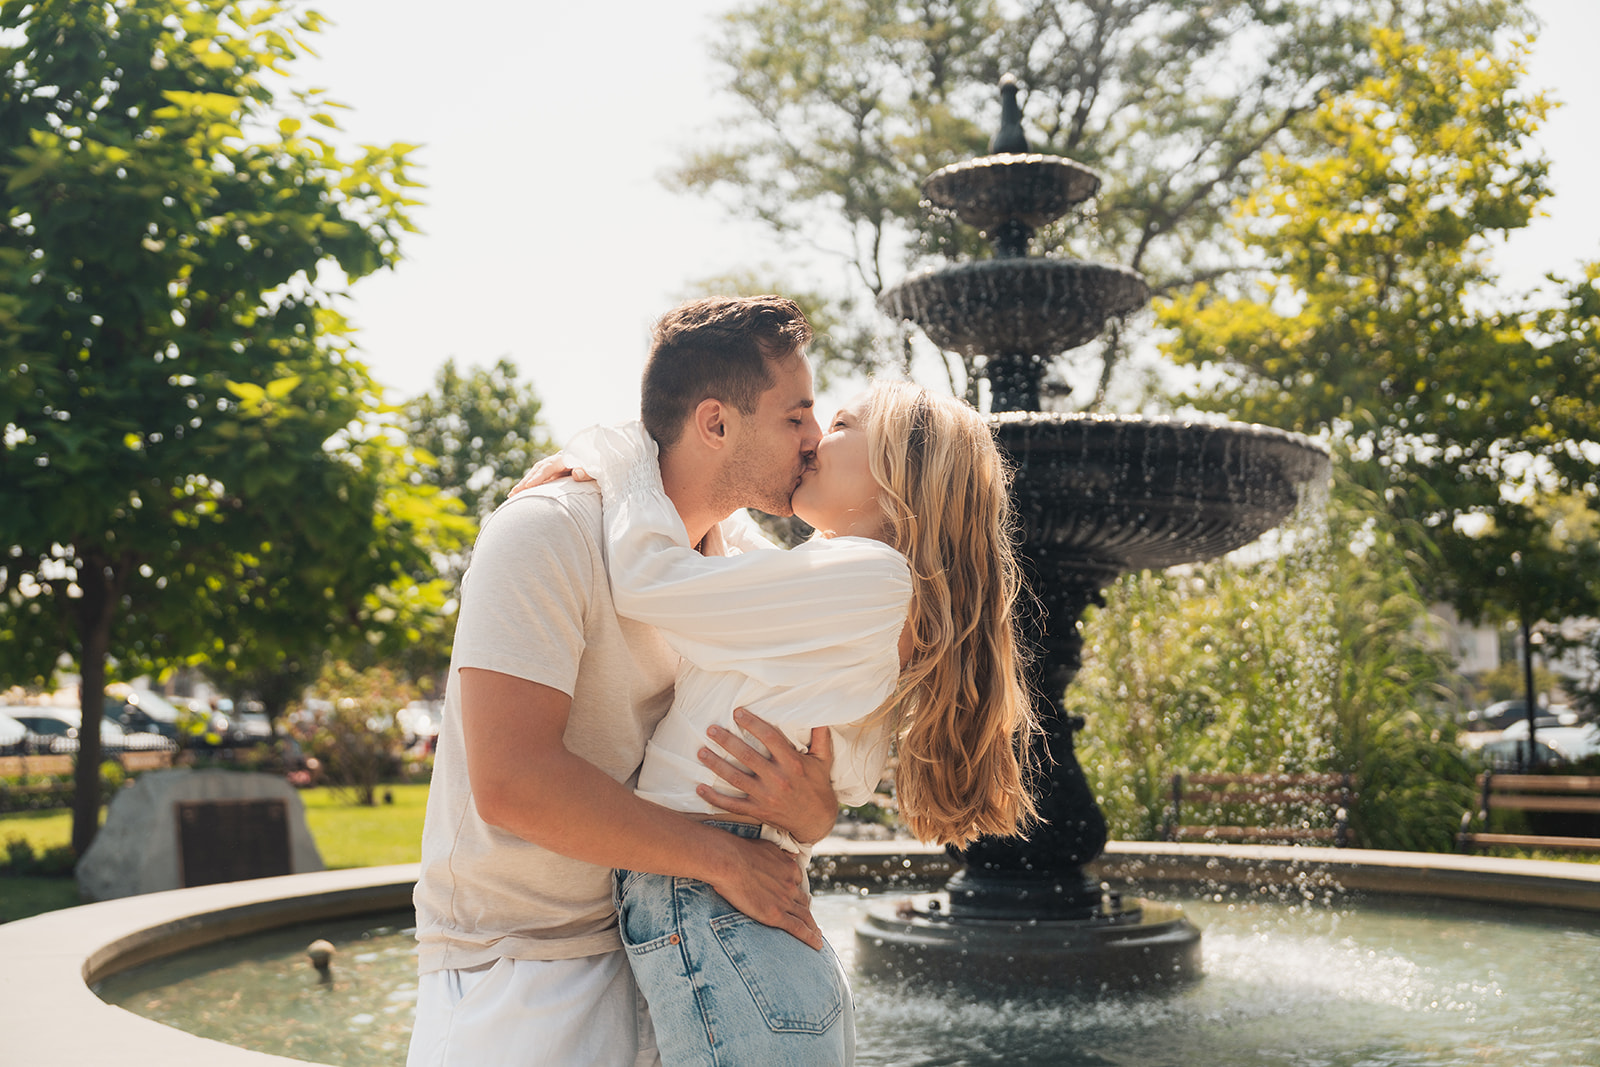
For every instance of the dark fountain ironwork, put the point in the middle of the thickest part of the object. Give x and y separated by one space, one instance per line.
1098 496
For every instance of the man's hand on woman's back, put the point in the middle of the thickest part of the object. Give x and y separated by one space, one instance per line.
791 790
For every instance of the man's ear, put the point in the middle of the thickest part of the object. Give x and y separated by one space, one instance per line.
709 423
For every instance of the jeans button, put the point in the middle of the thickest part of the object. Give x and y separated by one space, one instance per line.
673 940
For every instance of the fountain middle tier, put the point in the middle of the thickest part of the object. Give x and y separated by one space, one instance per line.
1015 306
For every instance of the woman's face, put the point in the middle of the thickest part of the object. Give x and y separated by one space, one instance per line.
837 492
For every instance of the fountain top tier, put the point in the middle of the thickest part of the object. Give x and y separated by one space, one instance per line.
1012 191
1016 309
1029 188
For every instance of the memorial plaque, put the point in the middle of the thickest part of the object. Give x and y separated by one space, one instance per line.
231 840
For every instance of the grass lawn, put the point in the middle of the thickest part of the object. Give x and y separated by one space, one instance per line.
42 830
347 835
22 897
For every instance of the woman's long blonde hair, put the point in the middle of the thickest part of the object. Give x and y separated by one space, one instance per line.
962 716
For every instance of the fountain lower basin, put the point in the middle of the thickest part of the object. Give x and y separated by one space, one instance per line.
50 1015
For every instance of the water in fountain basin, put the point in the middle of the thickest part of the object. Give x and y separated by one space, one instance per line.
1290 985
1289 982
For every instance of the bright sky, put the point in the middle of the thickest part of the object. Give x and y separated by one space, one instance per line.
548 236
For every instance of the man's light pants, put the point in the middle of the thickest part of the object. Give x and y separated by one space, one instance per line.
517 1013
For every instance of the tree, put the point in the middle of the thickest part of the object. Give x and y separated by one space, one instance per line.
181 400
846 105
1375 323
482 431
283 615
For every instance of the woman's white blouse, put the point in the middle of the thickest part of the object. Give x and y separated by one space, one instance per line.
804 638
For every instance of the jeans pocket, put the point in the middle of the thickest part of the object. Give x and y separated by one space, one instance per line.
795 988
644 912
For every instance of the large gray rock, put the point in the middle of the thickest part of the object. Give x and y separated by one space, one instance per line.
138 848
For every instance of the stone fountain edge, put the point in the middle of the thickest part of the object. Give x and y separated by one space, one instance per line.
47 963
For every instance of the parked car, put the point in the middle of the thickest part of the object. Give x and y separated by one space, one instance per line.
1502 713
420 722
13 736
249 728
1571 743
141 711
54 728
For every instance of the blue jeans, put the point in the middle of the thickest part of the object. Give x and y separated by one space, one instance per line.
724 990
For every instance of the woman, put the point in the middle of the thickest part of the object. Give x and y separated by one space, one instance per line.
894 626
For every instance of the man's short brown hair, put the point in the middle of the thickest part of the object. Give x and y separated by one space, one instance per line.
716 348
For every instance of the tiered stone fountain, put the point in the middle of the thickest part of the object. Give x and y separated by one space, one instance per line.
1098 496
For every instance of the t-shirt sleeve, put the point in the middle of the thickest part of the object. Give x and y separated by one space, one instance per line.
526 594
733 612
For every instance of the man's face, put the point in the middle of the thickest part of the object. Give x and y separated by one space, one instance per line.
772 446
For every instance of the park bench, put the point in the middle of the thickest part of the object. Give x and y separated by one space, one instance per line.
1313 808
1572 794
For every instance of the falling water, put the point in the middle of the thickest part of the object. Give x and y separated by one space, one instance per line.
1227 666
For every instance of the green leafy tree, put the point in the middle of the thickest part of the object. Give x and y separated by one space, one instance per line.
482 431
180 397
283 613
846 105
1370 325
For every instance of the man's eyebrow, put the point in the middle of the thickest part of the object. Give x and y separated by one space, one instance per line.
809 402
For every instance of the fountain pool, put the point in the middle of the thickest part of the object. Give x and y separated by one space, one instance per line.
1296 975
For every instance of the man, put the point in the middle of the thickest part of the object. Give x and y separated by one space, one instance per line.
551 700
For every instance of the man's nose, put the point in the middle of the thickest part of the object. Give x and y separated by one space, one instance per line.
811 435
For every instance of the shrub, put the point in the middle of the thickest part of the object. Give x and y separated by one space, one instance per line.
350 730
1312 658
22 861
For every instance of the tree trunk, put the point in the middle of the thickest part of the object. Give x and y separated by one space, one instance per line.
95 609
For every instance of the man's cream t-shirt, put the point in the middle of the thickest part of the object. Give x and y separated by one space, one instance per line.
536 604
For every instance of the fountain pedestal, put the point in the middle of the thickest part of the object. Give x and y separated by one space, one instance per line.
1098 496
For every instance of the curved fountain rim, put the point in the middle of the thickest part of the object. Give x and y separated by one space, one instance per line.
1178 422
999 159
50 1016
1031 264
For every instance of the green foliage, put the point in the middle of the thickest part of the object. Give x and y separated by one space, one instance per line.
1583 685
1505 682
1479 427
187 466
1314 658
352 731
846 105
1394 716
481 430
33 792
1222 667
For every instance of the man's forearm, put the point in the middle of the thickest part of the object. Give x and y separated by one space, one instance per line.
571 807
526 782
